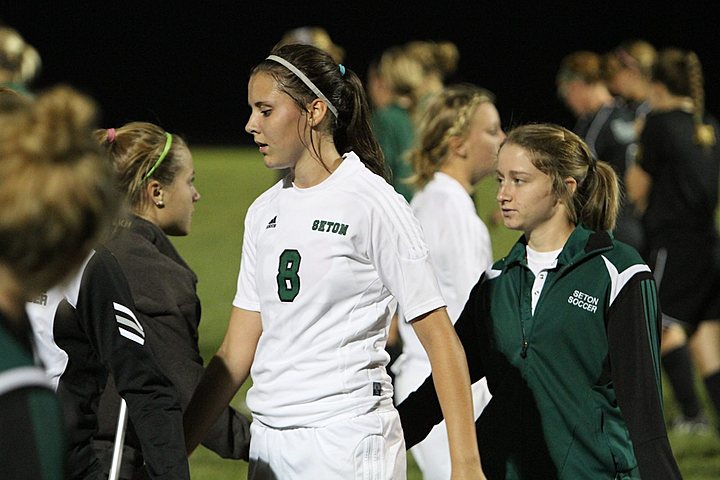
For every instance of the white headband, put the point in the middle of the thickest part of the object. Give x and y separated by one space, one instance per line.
305 80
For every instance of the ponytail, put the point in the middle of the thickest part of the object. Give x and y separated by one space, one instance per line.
353 130
598 198
704 134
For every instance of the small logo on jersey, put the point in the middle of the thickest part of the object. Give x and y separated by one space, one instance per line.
377 389
40 299
272 223
128 324
584 301
328 226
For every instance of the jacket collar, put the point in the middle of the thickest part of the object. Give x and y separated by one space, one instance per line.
582 242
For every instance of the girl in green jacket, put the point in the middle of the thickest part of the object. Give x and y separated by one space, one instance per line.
564 328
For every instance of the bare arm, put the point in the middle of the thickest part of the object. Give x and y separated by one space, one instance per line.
452 383
224 375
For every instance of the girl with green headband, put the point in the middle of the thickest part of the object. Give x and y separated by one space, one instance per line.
155 172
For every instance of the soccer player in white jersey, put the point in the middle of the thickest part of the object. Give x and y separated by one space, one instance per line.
324 251
459 136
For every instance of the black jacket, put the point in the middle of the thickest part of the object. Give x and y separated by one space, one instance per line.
164 290
93 320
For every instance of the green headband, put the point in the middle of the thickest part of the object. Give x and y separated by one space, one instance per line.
168 144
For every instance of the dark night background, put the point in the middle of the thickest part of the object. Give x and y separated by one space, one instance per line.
184 65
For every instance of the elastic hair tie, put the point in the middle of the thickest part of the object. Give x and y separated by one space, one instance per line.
305 80
111 134
341 67
168 144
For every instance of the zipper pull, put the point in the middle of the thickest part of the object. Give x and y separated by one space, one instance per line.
523 352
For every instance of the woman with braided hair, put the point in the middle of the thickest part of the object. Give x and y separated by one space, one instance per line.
676 184
564 328
458 139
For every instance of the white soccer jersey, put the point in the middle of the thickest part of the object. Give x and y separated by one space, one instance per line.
461 250
321 264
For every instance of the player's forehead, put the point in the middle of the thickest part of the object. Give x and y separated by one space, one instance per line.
264 89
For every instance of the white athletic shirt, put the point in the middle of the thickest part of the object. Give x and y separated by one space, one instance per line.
321 264
460 249
539 263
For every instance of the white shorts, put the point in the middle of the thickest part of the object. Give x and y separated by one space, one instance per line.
368 447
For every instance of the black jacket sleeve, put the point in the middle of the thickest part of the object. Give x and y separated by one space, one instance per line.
106 309
633 329
420 411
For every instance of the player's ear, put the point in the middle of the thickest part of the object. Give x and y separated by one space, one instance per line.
317 111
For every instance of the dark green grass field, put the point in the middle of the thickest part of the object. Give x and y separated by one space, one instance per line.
229 180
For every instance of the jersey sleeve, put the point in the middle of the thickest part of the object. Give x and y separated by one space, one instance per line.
633 326
399 253
246 296
107 312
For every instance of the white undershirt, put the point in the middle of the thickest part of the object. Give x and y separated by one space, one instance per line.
539 263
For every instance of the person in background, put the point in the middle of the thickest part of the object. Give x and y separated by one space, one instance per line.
315 36
88 330
439 61
56 199
19 62
458 139
675 185
629 75
605 124
392 85
155 170
322 256
565 328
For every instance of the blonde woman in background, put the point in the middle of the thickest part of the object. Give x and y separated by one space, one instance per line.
458 139
629 69
19 62
393 83
439 60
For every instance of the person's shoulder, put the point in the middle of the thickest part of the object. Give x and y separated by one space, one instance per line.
623 257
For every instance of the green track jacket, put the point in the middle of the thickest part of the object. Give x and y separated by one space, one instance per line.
576 386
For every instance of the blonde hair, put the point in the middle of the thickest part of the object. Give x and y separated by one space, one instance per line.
57 195
315 36
681 72
134 150
582 65
448 115
637 55
19 59
440 58
560 154
402 74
